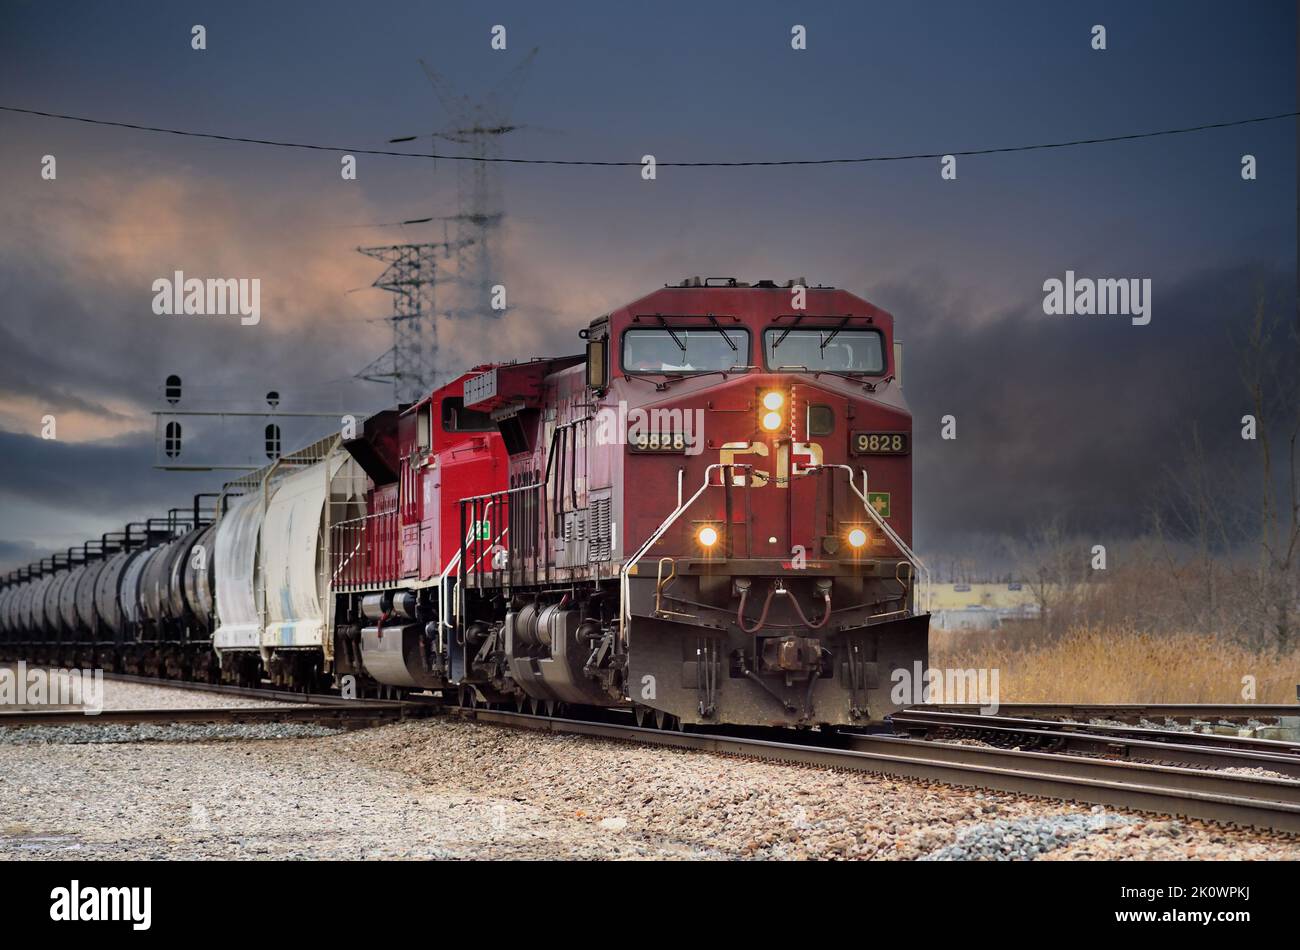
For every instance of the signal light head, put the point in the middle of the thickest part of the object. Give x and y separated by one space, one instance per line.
857 538
772 421
707 536
773 400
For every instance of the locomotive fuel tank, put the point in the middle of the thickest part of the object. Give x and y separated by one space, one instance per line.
395 642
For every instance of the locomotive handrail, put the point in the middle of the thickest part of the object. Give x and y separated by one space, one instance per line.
923 600
625 608
356 524
497 494
452 564
468 505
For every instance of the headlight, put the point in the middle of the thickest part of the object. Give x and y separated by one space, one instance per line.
857 538
773 400
707 536
772 421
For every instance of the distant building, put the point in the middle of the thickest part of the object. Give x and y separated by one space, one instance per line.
980 606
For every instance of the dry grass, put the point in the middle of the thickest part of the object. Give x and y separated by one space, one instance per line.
1117 665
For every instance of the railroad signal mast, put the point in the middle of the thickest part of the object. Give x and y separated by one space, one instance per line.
228 439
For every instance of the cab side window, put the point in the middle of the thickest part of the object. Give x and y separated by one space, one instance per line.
424 431
456 418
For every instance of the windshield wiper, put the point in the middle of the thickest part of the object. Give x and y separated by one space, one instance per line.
786 332
718 326
827 342
680 345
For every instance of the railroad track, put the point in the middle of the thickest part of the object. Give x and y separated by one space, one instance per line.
1253 801
1083 768
1194 749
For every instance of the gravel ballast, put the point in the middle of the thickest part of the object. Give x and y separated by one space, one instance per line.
441 788
108 733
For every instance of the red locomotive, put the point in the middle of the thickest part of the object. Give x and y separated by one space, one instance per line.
706 519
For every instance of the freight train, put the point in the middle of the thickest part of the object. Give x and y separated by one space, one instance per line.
704 518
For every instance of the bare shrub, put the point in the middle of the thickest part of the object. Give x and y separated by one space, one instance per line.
1119 664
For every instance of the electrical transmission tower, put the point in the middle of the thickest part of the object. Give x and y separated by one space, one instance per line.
470 248
411 277
478 127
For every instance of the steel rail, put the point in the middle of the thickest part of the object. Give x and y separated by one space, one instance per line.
1084 742
974 723
1193 793
1125 712
268 693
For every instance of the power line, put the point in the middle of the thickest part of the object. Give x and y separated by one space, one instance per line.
590 162
381 224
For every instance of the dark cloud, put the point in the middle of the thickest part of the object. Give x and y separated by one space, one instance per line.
18 553
1081 418
98 479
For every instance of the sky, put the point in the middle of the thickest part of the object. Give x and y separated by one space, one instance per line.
1073 417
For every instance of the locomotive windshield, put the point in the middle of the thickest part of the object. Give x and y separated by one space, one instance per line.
684 349
824 349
